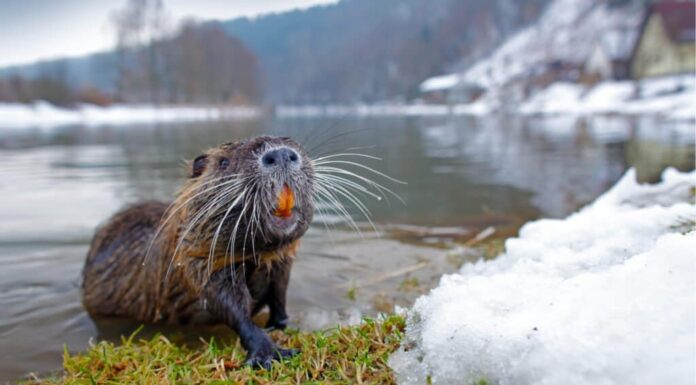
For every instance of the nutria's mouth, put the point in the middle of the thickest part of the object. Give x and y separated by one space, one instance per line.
286 203
285 224
284 217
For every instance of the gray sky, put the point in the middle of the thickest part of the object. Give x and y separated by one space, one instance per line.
43 29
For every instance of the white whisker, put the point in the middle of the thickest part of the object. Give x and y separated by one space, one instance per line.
377 186
355 201
170 214
327 194
328 178
217 231
360 165
354 154
204 212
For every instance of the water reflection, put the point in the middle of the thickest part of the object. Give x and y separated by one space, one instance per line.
59 184
563 162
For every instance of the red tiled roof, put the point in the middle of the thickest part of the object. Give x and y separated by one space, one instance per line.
679 19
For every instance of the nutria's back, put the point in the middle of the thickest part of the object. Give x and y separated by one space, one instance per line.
116 281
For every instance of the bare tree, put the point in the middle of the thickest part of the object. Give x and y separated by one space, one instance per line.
52 85
213 67
140 28
200 63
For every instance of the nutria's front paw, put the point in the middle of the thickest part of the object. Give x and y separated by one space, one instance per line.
263 358
259 360
287 353
279 324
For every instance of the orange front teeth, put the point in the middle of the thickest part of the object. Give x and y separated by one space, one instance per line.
286 202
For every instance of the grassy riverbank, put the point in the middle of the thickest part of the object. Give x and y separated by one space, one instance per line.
341 355
354 354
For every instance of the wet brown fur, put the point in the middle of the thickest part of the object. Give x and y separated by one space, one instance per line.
132 269
118 283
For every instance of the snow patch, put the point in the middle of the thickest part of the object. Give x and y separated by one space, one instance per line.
608 97
439 83
381 110
557 98
43 114
671 97
605 296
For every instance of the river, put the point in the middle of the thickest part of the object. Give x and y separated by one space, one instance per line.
462 175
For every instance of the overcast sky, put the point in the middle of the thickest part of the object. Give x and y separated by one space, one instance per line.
42 29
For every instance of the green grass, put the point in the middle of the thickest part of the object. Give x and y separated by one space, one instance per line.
493 248
343 355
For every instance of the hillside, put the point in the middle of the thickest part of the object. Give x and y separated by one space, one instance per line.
549 67
97 70
555 47
363 50
566 33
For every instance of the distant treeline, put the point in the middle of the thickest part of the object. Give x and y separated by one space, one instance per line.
202 64
195 63
351 51
51 85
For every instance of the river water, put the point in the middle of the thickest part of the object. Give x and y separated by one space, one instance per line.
463 175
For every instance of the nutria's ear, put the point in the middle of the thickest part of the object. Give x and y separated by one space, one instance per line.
198 165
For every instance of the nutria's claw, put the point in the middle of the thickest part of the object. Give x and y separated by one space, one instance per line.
279 324
264 359
288 353
259 361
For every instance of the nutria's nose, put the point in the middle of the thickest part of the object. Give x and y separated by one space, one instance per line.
281 157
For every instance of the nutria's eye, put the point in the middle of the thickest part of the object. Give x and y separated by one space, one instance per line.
224 162
198 165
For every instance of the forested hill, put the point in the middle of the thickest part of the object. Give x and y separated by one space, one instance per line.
351 51
367 50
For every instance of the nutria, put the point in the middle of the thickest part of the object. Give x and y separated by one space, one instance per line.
219 253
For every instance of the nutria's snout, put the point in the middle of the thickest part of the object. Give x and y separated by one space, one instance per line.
281 165
282 158
256 193
286 173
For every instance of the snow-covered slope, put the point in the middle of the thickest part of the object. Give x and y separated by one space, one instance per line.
566 32
537 70
605 296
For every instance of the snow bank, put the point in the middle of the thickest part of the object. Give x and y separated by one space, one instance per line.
608 97
672 97
557 98
605 296
42 114
382 110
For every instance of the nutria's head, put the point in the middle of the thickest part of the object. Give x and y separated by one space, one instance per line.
247 197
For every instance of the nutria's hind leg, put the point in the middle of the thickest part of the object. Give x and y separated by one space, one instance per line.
277 293
230 301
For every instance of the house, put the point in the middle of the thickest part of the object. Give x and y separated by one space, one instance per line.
438 88
665 45
554 71
610 57
449 88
